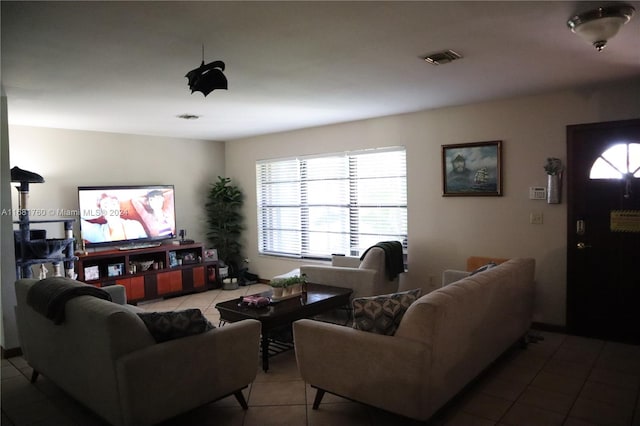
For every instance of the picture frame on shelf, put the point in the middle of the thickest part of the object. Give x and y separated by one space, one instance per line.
173 259
115 269
91 273
472 169
211 254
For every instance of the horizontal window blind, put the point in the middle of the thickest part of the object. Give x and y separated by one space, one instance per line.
338 203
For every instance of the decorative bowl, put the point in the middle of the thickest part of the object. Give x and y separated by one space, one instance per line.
144 266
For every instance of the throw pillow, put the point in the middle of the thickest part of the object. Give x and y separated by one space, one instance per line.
171 325
382 314
483 268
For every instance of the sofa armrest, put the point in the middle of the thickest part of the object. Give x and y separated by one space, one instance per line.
345 261
171 377
354 363
450 276
361 281
117 292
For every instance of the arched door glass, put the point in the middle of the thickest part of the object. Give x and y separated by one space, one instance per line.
617 162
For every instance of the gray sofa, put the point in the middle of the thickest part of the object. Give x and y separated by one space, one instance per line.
444 340
365 278
104 356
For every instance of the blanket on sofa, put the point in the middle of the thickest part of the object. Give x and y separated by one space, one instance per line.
50 295
394 259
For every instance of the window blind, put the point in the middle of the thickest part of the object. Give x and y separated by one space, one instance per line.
315 206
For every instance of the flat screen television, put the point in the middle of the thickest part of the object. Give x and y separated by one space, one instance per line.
126 215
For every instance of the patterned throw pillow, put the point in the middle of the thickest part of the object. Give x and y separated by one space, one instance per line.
483 268
171 325
382 314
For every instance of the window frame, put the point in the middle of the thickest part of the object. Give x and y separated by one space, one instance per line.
302 249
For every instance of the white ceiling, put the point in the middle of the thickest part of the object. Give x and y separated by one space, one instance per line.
120 66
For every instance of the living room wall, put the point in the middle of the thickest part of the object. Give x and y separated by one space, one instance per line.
444 231
69 158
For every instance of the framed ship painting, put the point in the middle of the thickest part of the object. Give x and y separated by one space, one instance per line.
472 169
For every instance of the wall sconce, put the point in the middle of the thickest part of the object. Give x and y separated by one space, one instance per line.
599 25
554 169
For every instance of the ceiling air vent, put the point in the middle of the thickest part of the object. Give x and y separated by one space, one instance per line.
440 58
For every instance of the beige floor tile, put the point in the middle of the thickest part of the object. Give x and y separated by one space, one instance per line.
577 355
486 406
610 394
328 398
9 371
231 294
258 288
547 347
209 415
18 392
290 415
378 417
350 414
526 358
616 378
506 389
521 414
548 400
277 393
573 421
282 367
516 373
537 386
18 362
465 419
40 411
601 413
567 368
621 349
161 305
623 364
557 383
584 343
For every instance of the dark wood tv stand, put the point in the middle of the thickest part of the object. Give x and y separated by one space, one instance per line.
175 270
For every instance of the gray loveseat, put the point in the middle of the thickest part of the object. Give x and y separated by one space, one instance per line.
444 340
104 356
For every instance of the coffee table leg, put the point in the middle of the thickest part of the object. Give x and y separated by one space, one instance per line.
265 352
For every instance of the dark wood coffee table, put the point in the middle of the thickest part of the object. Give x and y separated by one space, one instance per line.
317 299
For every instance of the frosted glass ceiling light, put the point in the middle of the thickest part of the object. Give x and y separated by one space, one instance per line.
599 25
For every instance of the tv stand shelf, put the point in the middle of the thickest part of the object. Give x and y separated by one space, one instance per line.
172 270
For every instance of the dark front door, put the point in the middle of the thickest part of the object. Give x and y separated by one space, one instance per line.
603 241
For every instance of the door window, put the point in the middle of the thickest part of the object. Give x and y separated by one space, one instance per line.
618 162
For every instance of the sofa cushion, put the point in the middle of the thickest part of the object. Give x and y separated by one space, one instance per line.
171 325
382 314
483 268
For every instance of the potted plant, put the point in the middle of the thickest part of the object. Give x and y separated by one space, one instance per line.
288 286
277 287
224 217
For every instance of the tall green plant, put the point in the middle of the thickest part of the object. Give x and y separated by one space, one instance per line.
225 219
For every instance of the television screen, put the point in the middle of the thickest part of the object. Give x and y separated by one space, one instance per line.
112 215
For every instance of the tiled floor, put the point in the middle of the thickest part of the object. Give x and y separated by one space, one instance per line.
563 380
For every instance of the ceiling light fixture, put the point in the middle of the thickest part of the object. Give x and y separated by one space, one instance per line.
599 25
207 78
444 57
